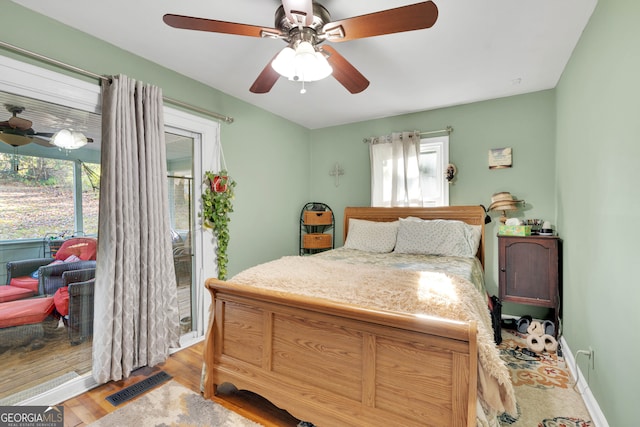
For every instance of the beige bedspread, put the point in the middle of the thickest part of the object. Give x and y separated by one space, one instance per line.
383 288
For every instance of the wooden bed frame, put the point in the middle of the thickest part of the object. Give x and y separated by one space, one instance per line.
341 365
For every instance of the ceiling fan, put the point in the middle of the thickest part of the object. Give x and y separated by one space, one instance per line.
17 131
304 25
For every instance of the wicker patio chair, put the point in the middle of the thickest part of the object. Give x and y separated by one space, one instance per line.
79 321
182 264
24 267
50 276
20 284
19 273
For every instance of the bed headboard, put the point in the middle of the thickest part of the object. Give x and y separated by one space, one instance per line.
473 215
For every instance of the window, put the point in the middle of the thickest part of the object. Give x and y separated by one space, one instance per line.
434 158
407 170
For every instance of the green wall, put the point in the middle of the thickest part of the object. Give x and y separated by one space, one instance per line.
598 148
526 123
264 153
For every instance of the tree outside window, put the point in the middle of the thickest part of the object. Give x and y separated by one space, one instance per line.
37 197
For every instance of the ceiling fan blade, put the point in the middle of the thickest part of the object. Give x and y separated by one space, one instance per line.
14 140
43 134
405 18
42 142
344 72
267 78
298 11
214 26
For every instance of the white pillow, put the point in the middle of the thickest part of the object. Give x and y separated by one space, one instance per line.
371 236
437 237
476 235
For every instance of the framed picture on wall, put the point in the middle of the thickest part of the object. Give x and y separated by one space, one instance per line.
500 158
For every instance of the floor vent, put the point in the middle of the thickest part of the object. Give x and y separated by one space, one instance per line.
138 388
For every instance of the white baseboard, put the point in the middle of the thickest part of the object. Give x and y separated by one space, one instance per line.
583 387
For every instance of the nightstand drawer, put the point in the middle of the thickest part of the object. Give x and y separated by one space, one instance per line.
317 218
316 241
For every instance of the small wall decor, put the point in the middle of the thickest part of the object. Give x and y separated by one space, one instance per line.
336 172
451 172
500 158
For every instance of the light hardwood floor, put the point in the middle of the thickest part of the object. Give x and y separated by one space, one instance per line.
185 366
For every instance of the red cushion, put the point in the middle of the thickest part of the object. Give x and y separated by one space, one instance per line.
61 300
25 311
84 248
25 282
12 293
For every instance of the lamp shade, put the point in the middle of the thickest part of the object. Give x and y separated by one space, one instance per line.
68 139
302 64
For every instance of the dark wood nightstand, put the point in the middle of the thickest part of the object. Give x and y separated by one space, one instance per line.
530 272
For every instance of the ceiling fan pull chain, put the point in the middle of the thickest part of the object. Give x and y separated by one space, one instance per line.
303 90
15 160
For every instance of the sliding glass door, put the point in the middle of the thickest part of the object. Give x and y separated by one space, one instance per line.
44 364
181 210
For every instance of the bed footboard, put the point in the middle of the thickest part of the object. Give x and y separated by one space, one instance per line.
339 365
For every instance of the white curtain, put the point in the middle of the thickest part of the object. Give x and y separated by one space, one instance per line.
136 310
395 170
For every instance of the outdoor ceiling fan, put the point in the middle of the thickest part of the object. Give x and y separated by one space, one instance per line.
304 25
17 131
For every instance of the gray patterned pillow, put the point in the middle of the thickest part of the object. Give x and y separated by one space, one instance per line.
437 237
371 236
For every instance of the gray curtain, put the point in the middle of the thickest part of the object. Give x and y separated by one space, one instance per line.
136 310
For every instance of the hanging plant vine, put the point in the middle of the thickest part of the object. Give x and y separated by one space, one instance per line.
216 206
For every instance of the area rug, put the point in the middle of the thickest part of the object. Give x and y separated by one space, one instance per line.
543 386
173 405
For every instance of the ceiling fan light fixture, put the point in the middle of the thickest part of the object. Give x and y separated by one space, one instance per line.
69 140
283 62
302 64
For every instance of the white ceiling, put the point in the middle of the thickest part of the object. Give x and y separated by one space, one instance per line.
477 50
